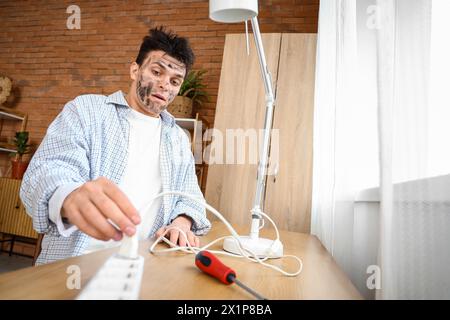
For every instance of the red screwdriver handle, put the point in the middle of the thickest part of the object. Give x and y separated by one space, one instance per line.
210 264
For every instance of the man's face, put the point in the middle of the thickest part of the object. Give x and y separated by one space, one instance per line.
158 81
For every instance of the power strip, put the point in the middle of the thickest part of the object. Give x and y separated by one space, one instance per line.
118 279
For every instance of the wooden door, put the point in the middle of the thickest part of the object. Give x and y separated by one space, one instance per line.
288 194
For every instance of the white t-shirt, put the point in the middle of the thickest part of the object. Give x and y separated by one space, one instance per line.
141 180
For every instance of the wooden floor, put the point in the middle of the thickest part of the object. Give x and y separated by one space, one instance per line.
13 262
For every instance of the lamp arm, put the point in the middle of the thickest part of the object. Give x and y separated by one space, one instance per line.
264 152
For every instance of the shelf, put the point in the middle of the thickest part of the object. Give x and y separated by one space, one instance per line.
10 114
196 126
5 147
186 123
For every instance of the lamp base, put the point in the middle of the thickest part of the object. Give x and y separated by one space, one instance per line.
260 246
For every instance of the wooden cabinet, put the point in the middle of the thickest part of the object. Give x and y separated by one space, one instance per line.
13 218
288 194
230 187
15 223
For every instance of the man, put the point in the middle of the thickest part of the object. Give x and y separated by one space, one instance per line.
104 158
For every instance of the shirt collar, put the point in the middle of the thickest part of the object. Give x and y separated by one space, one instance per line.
118 98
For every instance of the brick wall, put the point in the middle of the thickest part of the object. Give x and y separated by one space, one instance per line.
50 64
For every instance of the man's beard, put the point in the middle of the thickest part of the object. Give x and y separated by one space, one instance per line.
143 94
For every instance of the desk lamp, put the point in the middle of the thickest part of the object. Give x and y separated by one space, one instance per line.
232 11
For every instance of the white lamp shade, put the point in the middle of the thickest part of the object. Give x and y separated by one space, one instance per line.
230 11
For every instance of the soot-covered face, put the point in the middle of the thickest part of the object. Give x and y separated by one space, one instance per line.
158 82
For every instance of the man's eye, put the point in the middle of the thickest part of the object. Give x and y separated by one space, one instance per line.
156 73
176 83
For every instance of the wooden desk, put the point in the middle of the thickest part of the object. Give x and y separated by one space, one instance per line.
175 276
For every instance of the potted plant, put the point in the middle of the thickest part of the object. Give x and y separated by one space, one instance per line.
191 92
18 165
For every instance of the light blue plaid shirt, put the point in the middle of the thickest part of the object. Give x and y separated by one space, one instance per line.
88 140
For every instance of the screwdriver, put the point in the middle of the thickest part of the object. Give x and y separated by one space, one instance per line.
210 264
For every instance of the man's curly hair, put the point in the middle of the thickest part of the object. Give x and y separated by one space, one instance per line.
161 39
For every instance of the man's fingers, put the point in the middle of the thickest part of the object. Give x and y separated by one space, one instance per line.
124 204
77 219
182 241
94 218
160 232
197 242
174 236
191 238
178 237
110 210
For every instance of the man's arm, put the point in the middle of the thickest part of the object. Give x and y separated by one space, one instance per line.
59 177
60 160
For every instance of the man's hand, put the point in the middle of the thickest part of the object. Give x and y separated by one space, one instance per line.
184 223
89 207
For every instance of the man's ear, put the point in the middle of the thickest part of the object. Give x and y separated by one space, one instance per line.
134 69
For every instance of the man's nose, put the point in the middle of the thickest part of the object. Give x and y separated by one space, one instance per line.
164 83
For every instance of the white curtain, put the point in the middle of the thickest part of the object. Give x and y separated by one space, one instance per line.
415 215
345 129
382 118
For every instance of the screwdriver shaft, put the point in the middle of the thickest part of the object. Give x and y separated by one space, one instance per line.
253 292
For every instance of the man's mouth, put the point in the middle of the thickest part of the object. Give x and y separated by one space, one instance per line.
159 97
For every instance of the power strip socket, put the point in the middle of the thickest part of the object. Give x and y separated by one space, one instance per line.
119 278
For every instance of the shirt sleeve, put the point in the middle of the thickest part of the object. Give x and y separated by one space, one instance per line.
61 159
55 206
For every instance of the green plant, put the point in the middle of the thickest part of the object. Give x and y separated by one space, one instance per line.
193 87
21 143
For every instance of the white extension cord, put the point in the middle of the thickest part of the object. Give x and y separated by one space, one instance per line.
245 252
